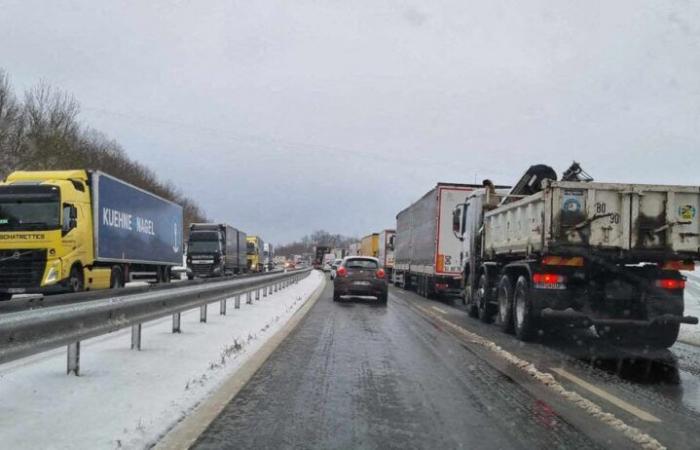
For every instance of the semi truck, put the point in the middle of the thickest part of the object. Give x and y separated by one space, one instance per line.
427 253
319 253
386 251
255 254
215 250
369 245
268 256
555 254
75 230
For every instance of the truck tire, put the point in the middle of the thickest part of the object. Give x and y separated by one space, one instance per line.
523 317
505 304
469 300
116 279
663 336
5 296
75 280
483 299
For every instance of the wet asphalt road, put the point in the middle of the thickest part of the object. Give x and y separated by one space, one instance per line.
359 375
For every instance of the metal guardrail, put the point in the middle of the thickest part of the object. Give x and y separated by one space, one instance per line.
29 332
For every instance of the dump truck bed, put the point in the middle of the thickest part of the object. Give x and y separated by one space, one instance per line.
633 222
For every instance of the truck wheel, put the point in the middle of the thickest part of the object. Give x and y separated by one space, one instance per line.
116 280
75 280
483 300
469 299
505 304
523 318
663 336
5 296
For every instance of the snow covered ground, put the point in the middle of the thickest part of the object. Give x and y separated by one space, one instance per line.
690 334
128 399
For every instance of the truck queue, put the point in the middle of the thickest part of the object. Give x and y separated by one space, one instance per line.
75 230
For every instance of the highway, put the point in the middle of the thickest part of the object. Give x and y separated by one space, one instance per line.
357 375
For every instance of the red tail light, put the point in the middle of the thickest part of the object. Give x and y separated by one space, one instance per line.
549 281
380 273
341 271
670 283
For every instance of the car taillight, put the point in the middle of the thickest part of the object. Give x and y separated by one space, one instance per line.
380 273
341 271
670 283
548 281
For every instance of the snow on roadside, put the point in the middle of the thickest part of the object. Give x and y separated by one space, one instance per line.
690 334
128 399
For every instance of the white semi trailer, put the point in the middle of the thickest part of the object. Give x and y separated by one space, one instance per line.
574 253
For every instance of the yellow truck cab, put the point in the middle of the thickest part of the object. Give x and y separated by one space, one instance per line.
58 233
254 254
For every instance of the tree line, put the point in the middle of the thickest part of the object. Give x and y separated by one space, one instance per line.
41 131
307 243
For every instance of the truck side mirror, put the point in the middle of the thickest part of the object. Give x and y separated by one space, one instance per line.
457 221
70 218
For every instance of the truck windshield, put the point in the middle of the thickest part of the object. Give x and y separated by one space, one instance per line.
29 208
203 246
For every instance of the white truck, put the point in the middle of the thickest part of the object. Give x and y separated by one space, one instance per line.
427 253
554 254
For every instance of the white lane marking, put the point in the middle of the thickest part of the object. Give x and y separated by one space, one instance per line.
607 396
440 310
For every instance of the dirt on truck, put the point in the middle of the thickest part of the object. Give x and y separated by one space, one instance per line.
552 254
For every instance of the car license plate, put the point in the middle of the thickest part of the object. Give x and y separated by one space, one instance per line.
361 283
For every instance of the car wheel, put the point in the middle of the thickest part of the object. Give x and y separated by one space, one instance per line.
505 304
483 300
336 297
5 296
523 318
384 299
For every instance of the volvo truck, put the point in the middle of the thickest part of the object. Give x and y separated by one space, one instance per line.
551 255
75 230
254 254
215 250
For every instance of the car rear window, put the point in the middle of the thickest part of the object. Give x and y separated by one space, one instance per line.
361 264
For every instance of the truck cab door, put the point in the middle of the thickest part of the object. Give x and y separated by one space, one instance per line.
70 233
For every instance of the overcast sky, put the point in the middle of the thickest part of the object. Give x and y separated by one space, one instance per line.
281 117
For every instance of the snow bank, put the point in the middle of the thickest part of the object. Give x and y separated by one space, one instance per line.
128 399
690 334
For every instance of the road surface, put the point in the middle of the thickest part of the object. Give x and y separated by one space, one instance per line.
359 375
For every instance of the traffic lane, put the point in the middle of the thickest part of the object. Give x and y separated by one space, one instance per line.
649 390
360 375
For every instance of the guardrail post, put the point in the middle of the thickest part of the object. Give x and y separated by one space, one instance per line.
276 287
269 289
222 307
176 322
203 313
136 337
237 302
257 294
73 359
249 297
264 289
